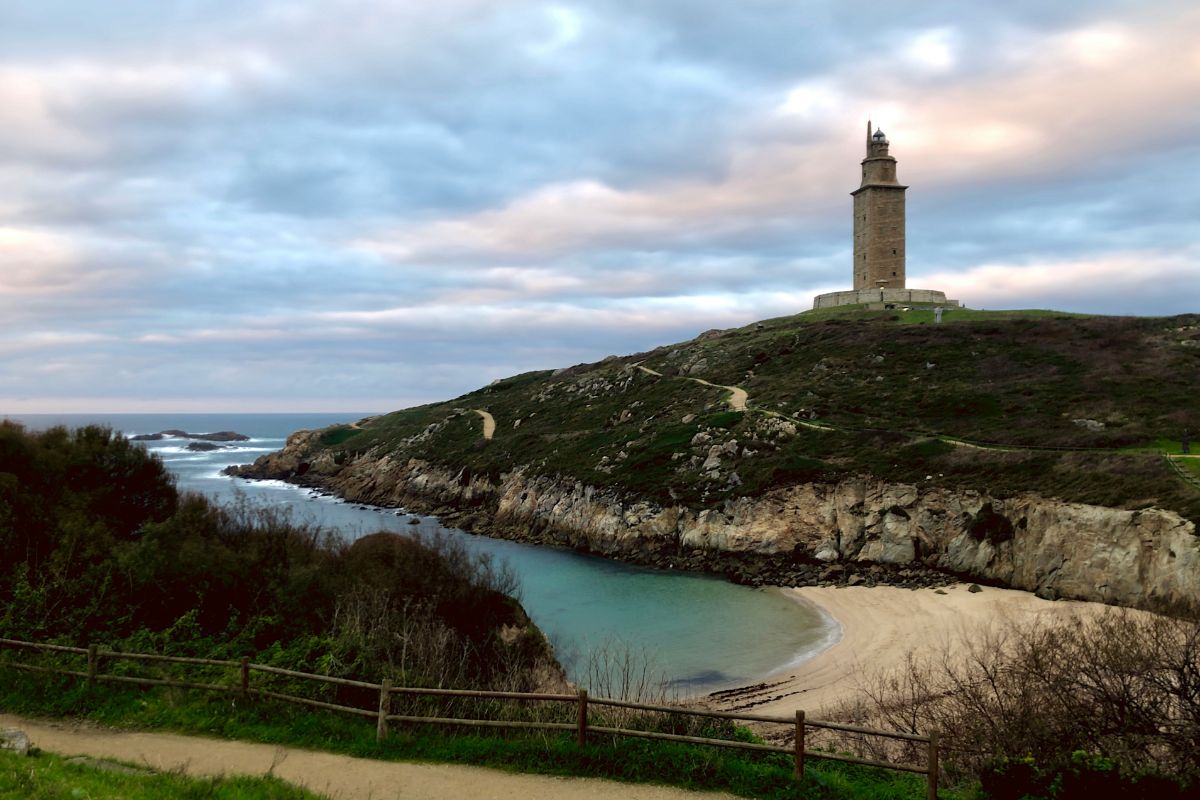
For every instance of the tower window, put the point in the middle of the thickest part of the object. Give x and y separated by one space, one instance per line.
893 253
893 274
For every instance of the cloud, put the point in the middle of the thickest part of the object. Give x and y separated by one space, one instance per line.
934 51
36 262
333 202
987 130
1113 283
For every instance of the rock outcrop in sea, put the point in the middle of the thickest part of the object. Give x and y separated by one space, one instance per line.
173 433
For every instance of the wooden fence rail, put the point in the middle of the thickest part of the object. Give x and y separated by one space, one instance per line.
582 726
1182 473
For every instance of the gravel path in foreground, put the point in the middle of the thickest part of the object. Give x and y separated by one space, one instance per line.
336 776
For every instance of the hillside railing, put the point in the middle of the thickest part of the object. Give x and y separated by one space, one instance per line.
582 726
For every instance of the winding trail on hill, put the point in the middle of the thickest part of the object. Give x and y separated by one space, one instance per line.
489 423
738 398
739 401
332 775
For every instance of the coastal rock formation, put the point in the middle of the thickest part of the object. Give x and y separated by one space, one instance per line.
1147 559
219 436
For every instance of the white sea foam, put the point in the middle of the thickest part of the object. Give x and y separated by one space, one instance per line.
831 634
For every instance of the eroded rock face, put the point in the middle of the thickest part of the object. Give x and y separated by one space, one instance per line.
1146 559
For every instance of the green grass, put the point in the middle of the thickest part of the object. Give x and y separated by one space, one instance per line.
918 316
632 760
727 419
1015 378
1173 446
41 776
336 436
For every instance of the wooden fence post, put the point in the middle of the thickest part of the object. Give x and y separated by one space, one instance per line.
799 745
245 677
933 766
92 658
385 708
581 719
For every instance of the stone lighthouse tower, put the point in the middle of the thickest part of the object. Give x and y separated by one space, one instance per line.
878 219
879 241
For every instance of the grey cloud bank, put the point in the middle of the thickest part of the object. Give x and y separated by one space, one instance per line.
350 204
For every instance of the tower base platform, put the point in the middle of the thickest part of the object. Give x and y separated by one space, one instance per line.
885 298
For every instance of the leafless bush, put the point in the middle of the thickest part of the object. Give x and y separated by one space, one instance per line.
479 570
402 633
1124 685
619 670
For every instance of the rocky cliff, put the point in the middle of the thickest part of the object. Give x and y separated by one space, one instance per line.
861 529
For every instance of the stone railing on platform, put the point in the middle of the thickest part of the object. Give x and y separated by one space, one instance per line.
881 298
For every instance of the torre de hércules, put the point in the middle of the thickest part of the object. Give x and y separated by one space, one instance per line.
879 258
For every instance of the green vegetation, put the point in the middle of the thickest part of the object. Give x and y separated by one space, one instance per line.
727 419
926 316
635 760
336 436
1072 406
96 546
47 777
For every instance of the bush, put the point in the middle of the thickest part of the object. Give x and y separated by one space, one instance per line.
726 419
1057 709
338 435
96 546
1085 777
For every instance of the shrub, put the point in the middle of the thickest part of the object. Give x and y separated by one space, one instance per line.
1056 709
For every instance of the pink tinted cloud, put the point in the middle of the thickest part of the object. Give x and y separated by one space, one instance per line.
36 262
1068 101
1129 274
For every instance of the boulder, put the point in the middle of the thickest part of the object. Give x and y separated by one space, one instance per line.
15 741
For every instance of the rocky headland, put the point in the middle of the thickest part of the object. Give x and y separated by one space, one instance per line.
860 531
854 450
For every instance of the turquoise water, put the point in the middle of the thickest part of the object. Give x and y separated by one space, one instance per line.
698 632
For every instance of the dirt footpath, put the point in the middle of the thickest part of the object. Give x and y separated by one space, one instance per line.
489 423
336 776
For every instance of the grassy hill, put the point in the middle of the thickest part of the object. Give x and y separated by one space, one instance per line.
1082 408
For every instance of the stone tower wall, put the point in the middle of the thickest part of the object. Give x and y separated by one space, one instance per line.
879 238
878 220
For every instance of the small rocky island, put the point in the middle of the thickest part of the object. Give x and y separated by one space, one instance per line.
219 436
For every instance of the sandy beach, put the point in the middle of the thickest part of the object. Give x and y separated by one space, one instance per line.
879 626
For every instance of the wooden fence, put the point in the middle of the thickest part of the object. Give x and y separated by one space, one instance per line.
383 716
1182 472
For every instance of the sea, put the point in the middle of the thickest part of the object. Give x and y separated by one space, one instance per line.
694 633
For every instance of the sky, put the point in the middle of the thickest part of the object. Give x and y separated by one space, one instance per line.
357 205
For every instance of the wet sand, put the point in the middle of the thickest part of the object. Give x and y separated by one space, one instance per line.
879 627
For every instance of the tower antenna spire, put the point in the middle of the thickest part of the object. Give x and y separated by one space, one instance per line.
868 135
